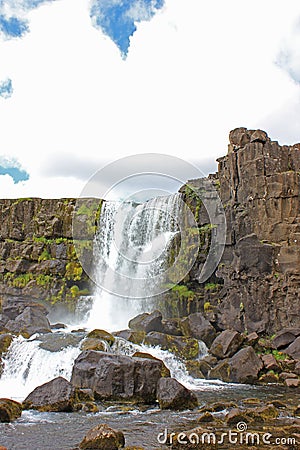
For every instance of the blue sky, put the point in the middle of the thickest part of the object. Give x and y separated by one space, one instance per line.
85 82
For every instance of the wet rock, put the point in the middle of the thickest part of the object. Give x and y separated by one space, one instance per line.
182 346
245 366
101 334
147 322
293 349
93 344
193 368
55 342
206 418
226 344
196 326
136 337
57 395
263 413
221 371
292 382
173 395
270 362
102 437
5 341
285 337
9 410
29 322
58 326
165 372
117 377
172 327
235 416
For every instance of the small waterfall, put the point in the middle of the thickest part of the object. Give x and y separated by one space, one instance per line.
130 251
27 365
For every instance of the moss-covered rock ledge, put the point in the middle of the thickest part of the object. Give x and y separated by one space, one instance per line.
38 256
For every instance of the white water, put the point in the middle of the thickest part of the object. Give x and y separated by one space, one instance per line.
27 366
130 252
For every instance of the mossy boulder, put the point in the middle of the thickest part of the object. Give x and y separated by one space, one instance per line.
101 334
136 337
226 344
102 437
5 341
9 410
184 347
147 322
93 344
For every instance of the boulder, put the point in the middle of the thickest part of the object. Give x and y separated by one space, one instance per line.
102 437
9 410
196 326
5 341
221 371
293 349
285 337
136 337
147 322
297 368
172 326
58 326
173 395
270 362
226 344
182 346
101 334
29 322
252 338
245 366
117 377
292 382
93 344
165 372
57 395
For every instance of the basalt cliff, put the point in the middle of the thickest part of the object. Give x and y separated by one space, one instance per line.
256 286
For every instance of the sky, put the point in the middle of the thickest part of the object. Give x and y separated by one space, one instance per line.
86 82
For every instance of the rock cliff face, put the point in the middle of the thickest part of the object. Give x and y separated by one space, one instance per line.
256 286
37 253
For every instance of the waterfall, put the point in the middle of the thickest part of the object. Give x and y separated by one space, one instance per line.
28 365
130 252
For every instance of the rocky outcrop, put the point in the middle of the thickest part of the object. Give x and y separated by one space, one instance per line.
117 377
38 255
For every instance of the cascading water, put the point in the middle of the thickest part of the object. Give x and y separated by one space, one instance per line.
130 251
28 365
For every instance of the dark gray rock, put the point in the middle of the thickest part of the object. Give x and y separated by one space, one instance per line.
58 395
226 344
293 349
29 322
117 377
245 366
197 326
147 322
173 395
285 337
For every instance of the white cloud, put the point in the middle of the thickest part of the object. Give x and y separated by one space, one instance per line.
195 71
